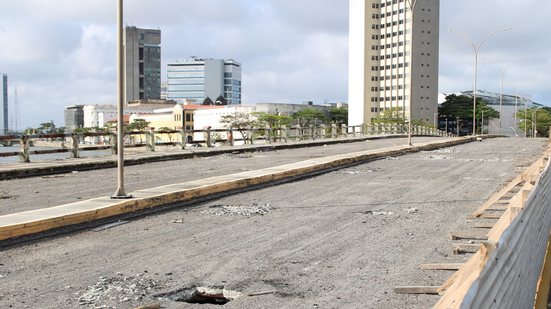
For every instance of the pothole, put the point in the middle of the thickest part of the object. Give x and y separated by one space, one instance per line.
201 295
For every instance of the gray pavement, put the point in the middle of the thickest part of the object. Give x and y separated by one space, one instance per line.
338 240
53 190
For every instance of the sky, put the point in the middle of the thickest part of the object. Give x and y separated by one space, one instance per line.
62 52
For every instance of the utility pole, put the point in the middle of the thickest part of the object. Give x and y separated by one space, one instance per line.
120 193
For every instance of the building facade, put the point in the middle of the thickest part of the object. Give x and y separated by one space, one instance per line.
393 60
143 63
4 108
197 79
74 117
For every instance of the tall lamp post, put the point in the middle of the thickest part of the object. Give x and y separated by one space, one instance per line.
476 49
411 5
120 193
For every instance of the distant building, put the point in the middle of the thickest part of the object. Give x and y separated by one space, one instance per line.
74 117
211 80
388 61
510 105
143 63
97 116
288 109
4 108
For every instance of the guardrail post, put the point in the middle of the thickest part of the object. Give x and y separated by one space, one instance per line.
74 146
150 139
183 138
208 138
24 149
230 137
269 133
333 130
113 143
283 133
344 130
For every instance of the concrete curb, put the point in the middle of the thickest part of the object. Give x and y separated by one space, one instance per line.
39 221
70 165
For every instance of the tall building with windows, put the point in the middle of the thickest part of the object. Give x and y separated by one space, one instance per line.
4 108
214 81
143 63
391 66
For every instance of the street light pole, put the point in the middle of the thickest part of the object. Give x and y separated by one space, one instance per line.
476 49
120 193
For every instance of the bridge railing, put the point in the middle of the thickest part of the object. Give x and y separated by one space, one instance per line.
76 143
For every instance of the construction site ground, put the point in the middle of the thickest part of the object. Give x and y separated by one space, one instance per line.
343 239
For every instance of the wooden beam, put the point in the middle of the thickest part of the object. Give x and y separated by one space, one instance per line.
483 225
473 234
465 248
416 290
441 266
490 216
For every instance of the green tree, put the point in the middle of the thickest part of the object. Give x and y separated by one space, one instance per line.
392 115
241 122
540 117
138 125
461 106
310 116
46 128
339 115
273 120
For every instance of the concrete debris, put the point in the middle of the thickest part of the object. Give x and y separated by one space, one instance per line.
177 221
119 289
235 210
413 211
5 195
377 213
357 172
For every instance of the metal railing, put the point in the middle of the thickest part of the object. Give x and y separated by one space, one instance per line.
75 143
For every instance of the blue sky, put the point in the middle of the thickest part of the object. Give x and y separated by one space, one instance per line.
62 52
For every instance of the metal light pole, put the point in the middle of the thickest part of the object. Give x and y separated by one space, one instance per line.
120 193
411 5
476 49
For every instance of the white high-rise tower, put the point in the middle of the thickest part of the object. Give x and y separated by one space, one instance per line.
386 59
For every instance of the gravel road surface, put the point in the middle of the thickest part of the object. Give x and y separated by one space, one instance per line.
47 191
339 240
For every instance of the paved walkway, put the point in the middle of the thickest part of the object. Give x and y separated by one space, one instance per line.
42 220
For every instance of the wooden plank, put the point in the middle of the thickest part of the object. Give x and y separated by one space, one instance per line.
473 234
465 248
416 290
483 225
542 296
490 216
441 266
497 208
